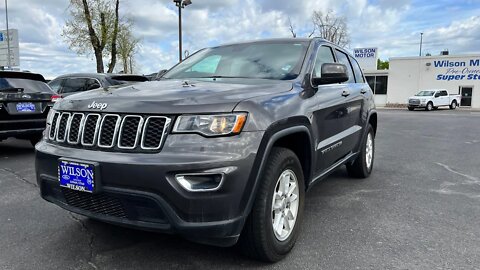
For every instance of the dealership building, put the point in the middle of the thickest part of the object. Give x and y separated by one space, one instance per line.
459 74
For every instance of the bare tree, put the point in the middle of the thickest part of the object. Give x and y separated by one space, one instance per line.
292 30
331 27
93 27
113 49
127 47
294 33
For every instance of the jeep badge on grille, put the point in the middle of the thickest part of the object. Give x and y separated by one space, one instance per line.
95 105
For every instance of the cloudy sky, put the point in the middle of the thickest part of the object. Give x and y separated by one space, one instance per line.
393 26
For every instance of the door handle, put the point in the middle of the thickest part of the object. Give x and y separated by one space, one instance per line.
363 91
346 93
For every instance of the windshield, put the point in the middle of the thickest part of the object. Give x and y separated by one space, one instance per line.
28 86
425 93
266 60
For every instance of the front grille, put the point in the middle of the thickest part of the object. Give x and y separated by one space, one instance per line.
113 132
96 203
414 101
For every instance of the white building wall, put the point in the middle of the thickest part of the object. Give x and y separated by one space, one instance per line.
409 75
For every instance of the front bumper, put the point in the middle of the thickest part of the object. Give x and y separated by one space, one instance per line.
140 190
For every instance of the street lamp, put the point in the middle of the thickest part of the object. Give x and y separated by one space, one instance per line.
180 4
421 43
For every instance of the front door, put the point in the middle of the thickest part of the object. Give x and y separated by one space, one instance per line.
466 93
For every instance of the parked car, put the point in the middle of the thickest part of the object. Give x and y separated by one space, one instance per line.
25 100
69 84
223 153
432 99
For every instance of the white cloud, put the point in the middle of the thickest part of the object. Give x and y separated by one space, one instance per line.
393 26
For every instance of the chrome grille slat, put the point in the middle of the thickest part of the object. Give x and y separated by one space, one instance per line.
130 130
62 126
90 129
106 137
109 131
75 128
53 128
154 133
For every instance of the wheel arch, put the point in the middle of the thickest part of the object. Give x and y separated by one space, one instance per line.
280 134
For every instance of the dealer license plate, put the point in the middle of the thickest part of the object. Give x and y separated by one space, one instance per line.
25 107
76 175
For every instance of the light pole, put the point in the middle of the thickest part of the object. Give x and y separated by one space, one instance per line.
421 43
8 35
180 4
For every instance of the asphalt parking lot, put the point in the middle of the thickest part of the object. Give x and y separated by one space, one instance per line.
419 210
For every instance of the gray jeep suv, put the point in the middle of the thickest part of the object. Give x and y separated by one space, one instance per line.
220 150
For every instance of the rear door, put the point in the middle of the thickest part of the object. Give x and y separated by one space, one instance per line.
353 103
337 104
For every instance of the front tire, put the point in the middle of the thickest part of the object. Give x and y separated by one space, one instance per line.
272 227
363 165
429 106
453 106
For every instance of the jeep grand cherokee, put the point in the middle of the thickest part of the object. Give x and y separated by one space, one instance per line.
221 149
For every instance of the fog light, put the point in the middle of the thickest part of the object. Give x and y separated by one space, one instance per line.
200 182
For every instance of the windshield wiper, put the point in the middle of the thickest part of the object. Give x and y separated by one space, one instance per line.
222 77
11 89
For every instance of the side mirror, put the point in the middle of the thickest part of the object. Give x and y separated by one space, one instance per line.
331 73
437 95
93 86
161 73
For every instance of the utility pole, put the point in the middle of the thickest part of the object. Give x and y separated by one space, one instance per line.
421 43
8 34
180 4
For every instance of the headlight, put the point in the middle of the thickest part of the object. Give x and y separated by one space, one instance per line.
211 125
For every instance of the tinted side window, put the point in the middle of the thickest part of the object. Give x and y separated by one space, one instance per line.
357 70
343 59
55 85
92 84
72 85
443 93
324 55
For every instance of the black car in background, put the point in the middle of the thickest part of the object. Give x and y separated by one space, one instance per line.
25 100
69 84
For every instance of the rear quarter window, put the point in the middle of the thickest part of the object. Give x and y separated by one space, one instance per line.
357 70
343 59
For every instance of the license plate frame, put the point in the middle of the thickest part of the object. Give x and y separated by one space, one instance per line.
26 107
79 175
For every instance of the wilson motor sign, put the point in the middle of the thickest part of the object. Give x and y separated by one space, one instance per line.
366 57
458 70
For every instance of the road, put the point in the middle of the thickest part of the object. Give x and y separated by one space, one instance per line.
419 210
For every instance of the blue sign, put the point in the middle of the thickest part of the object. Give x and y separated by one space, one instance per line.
458 70
1 36
76 176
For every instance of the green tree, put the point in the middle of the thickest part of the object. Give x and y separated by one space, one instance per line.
127 47
383 64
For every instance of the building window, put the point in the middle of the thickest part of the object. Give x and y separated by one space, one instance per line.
378 84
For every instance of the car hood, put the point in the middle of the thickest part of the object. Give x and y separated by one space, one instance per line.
174 96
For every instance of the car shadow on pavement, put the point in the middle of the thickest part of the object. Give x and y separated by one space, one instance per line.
12 148
120 247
